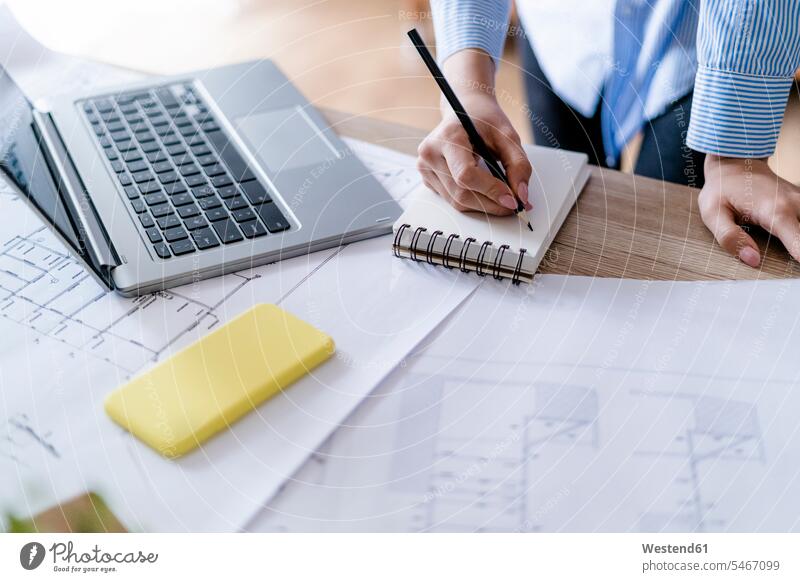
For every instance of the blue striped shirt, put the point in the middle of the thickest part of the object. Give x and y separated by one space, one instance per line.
739 55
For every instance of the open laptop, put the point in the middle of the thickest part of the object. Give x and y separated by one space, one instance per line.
169 181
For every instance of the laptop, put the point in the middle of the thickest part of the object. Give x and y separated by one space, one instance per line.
169 181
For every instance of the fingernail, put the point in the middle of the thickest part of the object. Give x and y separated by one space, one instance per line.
528 206
749 257
508 202
522 192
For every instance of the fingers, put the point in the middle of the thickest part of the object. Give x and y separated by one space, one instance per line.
721 221
515 162
440 181
787 228
468 175
467 200
431 180
777 212
448 165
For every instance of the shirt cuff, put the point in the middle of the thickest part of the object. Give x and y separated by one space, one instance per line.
737 115
470 24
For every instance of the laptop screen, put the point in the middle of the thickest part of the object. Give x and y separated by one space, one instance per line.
23 163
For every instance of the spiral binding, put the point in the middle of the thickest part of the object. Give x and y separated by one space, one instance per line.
481 256
498 262
431 242
446 252
414 241
397 238
518 269
462 257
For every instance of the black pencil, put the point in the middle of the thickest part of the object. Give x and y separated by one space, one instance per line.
475 138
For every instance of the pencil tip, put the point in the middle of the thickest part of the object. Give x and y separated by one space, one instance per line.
530 228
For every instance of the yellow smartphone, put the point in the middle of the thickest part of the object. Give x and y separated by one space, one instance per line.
207 386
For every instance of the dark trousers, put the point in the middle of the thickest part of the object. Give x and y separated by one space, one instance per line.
664 154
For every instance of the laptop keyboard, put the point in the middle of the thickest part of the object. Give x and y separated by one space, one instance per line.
188 185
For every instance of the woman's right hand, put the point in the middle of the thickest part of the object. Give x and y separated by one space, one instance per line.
446 160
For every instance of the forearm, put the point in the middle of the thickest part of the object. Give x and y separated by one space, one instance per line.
471 74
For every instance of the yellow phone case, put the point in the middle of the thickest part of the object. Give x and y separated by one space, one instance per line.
210 384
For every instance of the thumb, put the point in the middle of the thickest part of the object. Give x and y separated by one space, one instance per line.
732 237
518 168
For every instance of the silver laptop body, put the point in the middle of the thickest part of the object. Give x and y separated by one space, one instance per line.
253 174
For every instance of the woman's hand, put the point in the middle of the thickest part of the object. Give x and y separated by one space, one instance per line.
446 160
747 191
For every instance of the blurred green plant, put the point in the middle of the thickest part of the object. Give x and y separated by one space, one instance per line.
86 514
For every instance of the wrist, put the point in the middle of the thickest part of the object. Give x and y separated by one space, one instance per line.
470 73
715 162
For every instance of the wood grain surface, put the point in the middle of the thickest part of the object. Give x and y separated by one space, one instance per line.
622 226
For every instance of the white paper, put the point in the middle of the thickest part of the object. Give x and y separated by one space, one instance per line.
396 171
65 344
576 405
376 310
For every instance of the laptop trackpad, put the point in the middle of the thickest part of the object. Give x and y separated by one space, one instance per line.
285 139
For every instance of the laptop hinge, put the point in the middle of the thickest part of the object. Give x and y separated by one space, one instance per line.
91 232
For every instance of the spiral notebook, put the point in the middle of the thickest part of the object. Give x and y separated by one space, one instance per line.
432 231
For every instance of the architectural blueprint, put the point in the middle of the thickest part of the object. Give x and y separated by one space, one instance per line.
43 288
577 405
65 343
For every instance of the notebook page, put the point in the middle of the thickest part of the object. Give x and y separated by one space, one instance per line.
558 177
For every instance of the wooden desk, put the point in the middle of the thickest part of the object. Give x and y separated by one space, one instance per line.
623 225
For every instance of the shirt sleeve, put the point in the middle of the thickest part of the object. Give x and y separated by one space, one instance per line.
748 51
462 24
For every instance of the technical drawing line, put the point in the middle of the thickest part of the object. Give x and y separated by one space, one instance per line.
308 275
